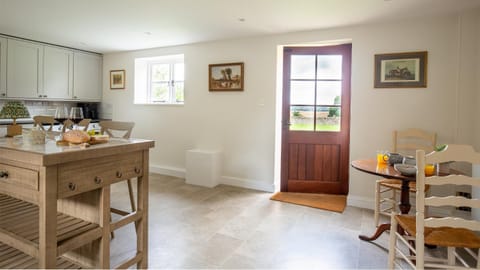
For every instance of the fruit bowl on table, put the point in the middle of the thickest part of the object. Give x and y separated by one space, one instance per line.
406 169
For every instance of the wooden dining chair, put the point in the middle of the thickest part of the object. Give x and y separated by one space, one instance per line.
41 120
448 231
120 130
405 142
82 125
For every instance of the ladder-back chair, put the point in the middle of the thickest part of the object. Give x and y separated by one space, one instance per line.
405 142
41 120
120 130
82 125
449 231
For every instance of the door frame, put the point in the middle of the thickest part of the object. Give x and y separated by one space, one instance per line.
285 113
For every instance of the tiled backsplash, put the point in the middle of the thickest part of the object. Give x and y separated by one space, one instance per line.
48 107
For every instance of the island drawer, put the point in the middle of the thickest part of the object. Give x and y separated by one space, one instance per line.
86 175
18 178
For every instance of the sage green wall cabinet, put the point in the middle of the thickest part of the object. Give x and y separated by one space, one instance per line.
3 67
34 70
87 74
57 73
24 69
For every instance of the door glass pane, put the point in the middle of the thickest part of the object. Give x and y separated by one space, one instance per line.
302 93
301 118
328 118
329 67
329 92
160 72
160 92
303 67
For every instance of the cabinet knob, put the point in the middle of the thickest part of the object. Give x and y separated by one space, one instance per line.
3 94
3 174
72 186
40 96
119 174
98 180
75 97
137 170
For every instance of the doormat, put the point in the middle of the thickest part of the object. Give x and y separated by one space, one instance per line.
336 203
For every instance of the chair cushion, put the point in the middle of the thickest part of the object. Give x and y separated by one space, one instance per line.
442 236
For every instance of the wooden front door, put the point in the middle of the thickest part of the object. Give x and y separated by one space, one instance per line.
316 119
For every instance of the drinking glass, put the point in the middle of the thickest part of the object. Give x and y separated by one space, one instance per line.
61 114
76 115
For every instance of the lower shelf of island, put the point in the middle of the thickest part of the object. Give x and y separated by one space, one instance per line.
19 234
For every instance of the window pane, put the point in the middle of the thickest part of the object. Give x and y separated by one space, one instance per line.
329 67
329 92
303 67
160 72
302 93
160 92
301 118
179 96
179 72
328 119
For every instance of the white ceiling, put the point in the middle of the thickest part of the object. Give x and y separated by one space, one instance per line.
119 25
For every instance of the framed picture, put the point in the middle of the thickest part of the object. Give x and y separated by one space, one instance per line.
117 79
407 70
225 77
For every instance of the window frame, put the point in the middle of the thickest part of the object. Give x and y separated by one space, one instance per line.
144 88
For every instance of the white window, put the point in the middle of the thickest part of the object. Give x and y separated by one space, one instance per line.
159 80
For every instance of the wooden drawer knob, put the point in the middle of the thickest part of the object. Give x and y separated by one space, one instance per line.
3 174
98 180
119 174
72 186
137 170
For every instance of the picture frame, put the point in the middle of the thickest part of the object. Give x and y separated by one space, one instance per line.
401 70
226 77
117 79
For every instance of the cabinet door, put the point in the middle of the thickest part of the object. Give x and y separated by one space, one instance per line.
3 67
87 77
57 73
24 78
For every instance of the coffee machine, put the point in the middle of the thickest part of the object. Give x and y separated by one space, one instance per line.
90 110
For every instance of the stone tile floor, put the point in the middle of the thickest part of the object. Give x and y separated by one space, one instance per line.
230 228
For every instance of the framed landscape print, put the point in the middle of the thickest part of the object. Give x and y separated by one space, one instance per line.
117 79
396 70
225 77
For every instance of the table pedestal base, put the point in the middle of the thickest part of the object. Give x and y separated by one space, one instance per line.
380 229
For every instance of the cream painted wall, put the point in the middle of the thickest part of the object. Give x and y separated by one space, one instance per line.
242 124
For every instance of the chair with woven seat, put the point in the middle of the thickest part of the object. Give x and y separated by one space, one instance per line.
450 232
120 130
405 142
41 120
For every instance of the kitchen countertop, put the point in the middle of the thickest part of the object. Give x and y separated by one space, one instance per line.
30 121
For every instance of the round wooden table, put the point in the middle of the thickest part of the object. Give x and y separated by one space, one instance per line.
386 171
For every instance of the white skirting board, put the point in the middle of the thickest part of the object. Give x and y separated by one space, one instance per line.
352 200
226 180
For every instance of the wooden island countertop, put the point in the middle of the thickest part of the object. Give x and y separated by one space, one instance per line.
49 186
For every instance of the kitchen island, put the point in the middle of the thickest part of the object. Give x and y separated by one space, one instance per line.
55 202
